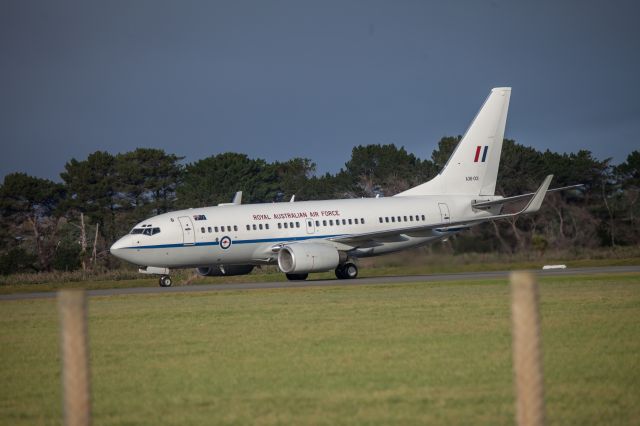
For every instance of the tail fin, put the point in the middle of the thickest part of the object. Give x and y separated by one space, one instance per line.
472 169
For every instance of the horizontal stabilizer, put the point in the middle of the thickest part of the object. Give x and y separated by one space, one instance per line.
517 198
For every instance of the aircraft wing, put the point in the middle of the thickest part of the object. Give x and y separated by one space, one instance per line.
427 230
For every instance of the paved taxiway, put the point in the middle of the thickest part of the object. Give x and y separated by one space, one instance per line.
325 283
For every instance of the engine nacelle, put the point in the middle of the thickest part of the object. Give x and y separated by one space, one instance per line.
304 258
224 270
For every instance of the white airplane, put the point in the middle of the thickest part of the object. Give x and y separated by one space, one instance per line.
314 236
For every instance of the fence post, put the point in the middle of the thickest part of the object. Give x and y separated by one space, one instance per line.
72 308
527 353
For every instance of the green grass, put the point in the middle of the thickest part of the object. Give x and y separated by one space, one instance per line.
392 265
434 353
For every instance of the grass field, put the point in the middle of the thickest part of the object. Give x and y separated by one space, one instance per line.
392 265
434 353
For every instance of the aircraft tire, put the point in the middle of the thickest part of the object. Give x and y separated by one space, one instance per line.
297 277
165 281
340 272
350 271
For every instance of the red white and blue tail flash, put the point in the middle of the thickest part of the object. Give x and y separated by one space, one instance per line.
484 154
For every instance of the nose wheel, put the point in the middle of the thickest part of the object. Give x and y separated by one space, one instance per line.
165 281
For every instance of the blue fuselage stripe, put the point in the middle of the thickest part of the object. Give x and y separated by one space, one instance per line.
215 243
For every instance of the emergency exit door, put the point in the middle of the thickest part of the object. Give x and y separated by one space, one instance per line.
310 227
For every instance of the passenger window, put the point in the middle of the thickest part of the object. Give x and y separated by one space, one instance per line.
215 228
324 223
356 220
297 224
386 219
286 225
344 221
378 218
405 219
279 225
410 218
350 222
423 217
331 222
362 220
260 226
209 229
290 224
254 226
235 227
202 230
248 228
399 219
266 225
393 218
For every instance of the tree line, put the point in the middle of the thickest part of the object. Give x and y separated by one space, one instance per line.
71 224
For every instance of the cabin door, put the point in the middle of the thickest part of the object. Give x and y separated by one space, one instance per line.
188 233
444 213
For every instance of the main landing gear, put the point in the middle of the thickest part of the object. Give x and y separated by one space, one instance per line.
347 271
165 281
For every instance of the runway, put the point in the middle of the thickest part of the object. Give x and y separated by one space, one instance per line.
467 276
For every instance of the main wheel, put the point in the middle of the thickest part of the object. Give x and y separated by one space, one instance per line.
165 281
350 270
297 277
347 271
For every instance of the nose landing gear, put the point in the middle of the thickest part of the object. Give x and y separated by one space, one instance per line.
165 281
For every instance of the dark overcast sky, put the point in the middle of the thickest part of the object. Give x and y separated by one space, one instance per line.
280 79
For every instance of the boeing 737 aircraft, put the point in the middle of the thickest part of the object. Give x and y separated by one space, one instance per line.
315 236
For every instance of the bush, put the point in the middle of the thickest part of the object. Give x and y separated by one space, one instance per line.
17 260
67 257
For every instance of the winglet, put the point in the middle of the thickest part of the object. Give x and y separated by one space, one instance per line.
237 199
536 201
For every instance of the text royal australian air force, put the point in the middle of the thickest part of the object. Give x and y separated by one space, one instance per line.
297 215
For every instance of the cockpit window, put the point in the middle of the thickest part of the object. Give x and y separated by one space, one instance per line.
145 231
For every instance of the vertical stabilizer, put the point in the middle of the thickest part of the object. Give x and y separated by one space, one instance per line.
472 169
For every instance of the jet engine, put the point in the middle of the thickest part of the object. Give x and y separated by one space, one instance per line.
224 270
304 258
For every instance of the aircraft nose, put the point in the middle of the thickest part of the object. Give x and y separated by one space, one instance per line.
116 248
